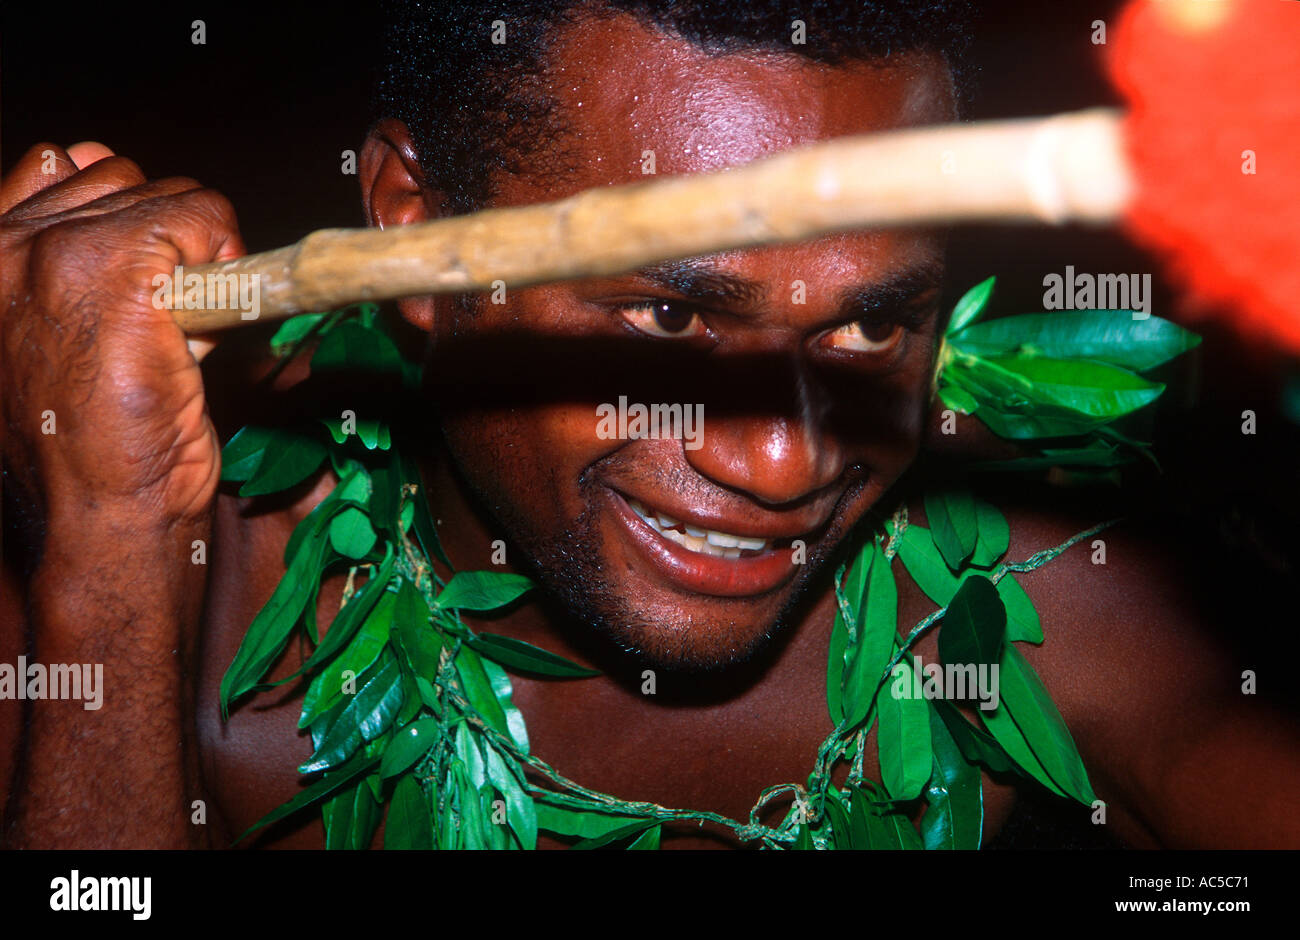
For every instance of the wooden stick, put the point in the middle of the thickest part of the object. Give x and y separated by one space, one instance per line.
1053 170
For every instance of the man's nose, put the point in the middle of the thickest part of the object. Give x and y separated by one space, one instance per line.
775 458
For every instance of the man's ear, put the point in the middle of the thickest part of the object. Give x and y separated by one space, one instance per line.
395 192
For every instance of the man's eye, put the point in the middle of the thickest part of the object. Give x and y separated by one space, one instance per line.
663 319
865 336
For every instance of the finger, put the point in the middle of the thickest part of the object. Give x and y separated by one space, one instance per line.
117 201
87 152
200 225
40 167
104 177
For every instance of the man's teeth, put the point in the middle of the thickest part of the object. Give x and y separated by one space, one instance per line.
695 539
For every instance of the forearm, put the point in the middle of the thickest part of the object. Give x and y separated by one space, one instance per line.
125 595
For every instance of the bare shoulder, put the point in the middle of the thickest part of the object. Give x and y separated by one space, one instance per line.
1146 673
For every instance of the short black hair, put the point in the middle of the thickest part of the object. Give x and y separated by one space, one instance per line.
475 108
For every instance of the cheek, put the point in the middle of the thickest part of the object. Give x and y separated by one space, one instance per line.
527 457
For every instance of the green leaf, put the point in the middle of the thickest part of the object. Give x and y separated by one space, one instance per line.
374 433
470 756
411 700
901 834
1023 624
843 832
410 821
849 593
472 816
580 823
1094 389
971 305
618 835
1094 455
316 520
954 525
504 692
428 695
287 460
335 427
928 570
481 590
1042 423
521 814
416 638
903 735
860 821
889 830
525 657
423 521
351 534
954 818
243 452
352 347
357 657
349 617
973 629
1009 407
994 535
368 715
408 746
803 840
331 782
1110 336
926 566
355 486
294 330
1026 718
877 616
270 630
974 744
385 496
479 690
647 841
351 818
958 399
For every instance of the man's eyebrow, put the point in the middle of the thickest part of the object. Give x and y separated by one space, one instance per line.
703 281
892 295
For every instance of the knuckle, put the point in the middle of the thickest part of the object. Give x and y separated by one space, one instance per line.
213 204
38 153
180 184
123 171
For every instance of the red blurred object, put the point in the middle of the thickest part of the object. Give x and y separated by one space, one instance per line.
1214 86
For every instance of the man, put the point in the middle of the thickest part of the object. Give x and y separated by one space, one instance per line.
812 411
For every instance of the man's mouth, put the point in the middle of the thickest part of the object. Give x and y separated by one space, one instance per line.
705 560
695 539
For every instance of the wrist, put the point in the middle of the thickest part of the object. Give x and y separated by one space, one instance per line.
119 571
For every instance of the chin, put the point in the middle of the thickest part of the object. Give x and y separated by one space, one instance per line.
656 627
670 638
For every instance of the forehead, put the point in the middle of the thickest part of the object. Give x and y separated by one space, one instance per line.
623 88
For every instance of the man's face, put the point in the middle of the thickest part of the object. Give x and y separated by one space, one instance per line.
811 362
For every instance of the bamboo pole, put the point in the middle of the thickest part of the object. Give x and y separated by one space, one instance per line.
1049 170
